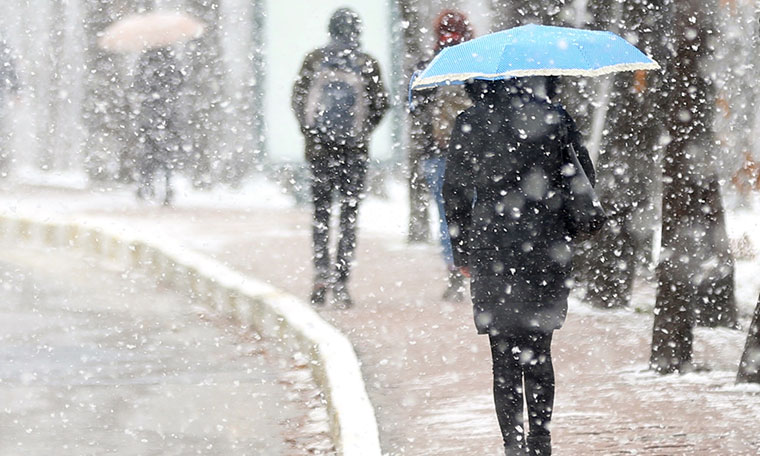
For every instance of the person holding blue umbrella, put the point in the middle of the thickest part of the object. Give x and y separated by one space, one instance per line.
517 191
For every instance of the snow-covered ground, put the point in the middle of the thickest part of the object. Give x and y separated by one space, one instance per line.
382 215
600 355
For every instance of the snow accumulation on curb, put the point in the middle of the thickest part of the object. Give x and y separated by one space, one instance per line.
273 313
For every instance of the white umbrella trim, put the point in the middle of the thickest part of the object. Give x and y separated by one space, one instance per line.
432 81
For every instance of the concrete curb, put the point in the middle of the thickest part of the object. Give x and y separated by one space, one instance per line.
333 362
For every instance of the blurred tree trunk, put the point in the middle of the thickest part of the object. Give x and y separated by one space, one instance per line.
627 163
749 368
104 110
715 303
419 225
52 90
259 74
691 237
203 85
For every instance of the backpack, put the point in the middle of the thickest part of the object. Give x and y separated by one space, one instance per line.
337 108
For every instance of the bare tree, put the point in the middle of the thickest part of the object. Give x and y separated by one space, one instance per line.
419 225
749 368
104 110
628 159
53 67
204 87
690 239
259 74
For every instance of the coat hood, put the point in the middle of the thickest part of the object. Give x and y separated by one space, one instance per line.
345 27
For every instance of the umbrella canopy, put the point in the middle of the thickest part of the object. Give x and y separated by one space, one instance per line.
152 30
533 50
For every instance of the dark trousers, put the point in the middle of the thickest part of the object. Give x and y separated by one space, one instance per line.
160 144
339 172
525 358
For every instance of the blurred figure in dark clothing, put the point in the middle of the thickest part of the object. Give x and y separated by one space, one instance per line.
434 112
338 99
157 84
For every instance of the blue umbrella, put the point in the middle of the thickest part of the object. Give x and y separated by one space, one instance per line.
533 50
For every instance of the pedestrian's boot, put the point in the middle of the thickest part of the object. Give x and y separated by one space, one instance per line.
419 231
169 195
340 295
319 294
540 445
515 449
455 289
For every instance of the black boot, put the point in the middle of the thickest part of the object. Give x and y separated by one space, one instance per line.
318 294
515 450
540 445
342 298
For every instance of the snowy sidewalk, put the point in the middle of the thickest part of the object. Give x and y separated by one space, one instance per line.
427 372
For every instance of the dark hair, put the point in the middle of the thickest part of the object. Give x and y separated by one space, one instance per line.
492 91
481 89
451 28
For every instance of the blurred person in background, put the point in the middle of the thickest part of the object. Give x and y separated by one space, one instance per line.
434 113
157 84
338 99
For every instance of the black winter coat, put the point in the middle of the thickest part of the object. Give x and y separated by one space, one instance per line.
504 208
157 86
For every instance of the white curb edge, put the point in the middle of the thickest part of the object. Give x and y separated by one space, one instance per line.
273 313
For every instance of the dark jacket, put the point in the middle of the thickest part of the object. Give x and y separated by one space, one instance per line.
433 113
374 91
505 209
157 85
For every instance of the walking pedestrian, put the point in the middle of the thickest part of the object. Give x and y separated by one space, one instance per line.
433 115
157 84
504 199
339 99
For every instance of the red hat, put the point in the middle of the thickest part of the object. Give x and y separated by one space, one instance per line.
452 27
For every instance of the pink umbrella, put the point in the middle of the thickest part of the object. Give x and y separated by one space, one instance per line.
139 32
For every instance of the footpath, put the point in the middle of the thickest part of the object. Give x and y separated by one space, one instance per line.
426 370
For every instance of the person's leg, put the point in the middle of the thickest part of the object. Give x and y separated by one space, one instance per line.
168 192
507 392
435 169
321 191
146 166
351 186
419 229
537 365
166 167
